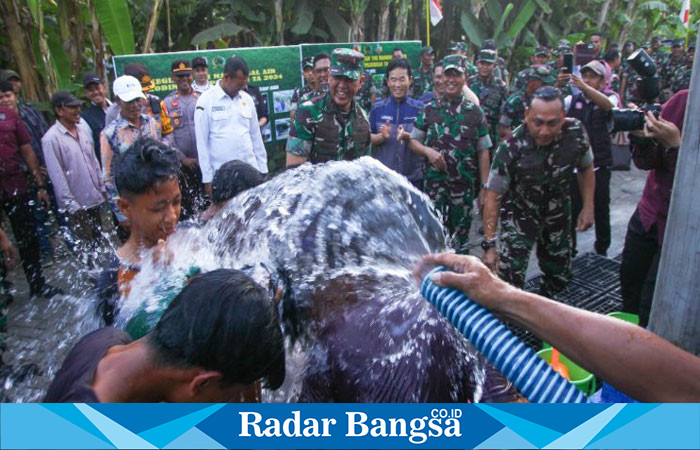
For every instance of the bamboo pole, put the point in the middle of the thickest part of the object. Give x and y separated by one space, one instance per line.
427 22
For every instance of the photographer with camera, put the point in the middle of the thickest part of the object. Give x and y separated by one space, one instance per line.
592 107
655 148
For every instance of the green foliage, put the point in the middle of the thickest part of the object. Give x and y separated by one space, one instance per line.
216 32
115 21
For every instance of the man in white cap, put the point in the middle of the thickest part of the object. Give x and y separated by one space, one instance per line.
592 107
119 135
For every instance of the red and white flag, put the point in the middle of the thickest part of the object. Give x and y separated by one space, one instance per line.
685 13
436 11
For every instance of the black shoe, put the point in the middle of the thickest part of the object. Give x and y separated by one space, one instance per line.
46 291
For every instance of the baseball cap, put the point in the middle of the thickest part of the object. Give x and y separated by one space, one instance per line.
596 67
181 67
127 88
347 63
541 50
427 49
7 75
199 61
141 73
307 62
487 56
455 62
90 78
63 98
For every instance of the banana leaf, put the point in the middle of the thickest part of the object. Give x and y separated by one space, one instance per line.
472 27
336 24
217 32
115 21
521 20
305 18
506 12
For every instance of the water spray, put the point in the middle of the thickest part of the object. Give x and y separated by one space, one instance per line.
530 374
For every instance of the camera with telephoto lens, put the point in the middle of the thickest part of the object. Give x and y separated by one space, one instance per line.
646 88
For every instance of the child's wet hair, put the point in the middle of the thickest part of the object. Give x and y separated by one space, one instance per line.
146 164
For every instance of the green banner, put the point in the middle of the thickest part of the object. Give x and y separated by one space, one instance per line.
275 70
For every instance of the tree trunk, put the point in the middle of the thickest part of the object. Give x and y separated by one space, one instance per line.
279 23
603 15
675 312
630 13
98 49
71 32
152 23
538 24
51 82
401 15
22 53
357 25
383 27
418 18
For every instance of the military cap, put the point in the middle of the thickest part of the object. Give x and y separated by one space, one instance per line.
199 62
541 50
346 62
678 42
489 44
141 73
455 62
645 44
462 46
181 67
691 45
487 56
9 74
453 46
542 73
656 39
427 49
563 45
307 62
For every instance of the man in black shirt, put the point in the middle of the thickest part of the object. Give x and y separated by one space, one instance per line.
94 115
217 338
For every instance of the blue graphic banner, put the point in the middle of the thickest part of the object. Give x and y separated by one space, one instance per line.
349 426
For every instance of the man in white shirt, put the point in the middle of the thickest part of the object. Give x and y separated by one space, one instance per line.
226 124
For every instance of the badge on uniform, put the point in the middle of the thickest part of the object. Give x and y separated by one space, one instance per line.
176 121
244 104
175 103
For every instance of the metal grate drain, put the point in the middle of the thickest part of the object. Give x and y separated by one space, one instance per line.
595 287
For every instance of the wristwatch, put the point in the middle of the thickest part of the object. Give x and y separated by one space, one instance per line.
486 244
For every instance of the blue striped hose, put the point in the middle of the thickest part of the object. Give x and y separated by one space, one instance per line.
530 374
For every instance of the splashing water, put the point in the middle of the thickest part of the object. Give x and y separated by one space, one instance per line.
342 239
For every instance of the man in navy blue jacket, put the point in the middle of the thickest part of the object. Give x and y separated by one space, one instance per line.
391 121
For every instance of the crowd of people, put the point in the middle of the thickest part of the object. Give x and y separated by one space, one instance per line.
531 153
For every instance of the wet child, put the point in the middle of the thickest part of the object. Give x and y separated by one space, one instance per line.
146 179
229 180
218 338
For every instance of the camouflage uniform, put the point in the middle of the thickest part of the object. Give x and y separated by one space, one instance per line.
364 94
491 92
536 205
457 129
681 79
669 69
298 94
513 112
321 131
422 81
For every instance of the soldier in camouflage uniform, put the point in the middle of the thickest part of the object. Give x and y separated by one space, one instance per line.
674 62
531 173
367 93
452 133
513 111
681 79
658 54
626 73
423 77
462 49
539 58
322 67
490 90
307 67
333 126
